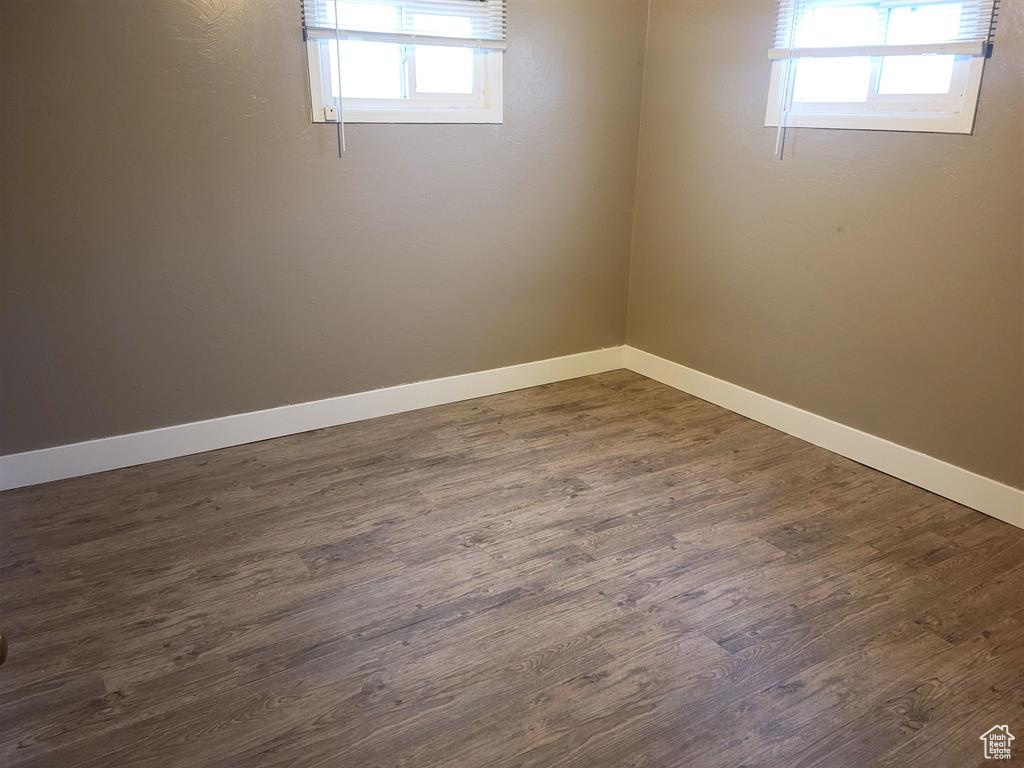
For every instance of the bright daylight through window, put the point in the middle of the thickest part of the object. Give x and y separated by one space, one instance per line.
413 61
906 65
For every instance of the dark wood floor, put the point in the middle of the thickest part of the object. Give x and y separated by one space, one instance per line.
602 572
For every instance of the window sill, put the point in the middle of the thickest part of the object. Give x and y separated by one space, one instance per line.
425 116
921 123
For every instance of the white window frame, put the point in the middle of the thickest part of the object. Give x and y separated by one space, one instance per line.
484 106
952 112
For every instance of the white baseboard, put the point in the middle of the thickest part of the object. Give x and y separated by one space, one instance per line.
968 488
62 461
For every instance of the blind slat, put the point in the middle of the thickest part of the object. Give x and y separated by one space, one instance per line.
966 48
883 27
466 23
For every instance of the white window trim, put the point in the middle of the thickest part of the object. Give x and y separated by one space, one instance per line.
952 112
886 113
485 107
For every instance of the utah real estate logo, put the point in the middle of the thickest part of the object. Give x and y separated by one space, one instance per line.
997 742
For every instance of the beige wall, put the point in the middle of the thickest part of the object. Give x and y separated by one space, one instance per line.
874 278
178 242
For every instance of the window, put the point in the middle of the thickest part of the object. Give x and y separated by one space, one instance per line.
901 65
405 61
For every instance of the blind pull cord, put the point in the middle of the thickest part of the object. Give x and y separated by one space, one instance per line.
786 100
340 126
785 105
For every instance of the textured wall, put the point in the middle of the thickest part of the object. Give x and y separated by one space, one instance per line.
875 278
178 242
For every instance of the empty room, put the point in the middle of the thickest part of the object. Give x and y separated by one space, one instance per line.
511 383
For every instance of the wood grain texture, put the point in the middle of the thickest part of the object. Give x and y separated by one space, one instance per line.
600 572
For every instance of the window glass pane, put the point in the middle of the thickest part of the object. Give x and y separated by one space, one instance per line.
837 25
932 23
368 70
441 69
444 70
916 74
370 17
442 25
840 79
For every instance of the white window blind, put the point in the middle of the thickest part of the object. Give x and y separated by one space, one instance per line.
843 28
460 23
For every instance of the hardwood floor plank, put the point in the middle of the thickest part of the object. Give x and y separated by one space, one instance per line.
602 573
